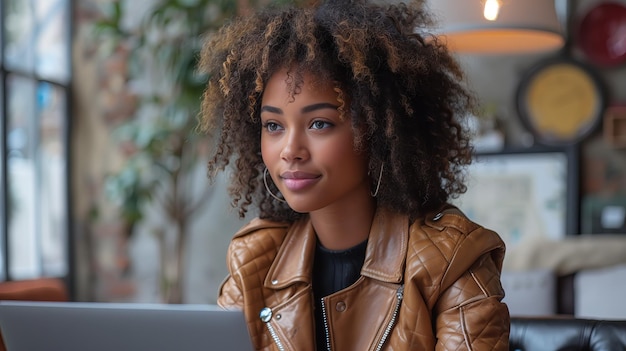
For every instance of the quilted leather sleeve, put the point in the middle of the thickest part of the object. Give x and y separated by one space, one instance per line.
252 244
470 314
230 296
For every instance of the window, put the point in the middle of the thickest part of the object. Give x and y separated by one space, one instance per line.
34 138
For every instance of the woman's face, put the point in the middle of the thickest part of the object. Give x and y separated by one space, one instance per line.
308 149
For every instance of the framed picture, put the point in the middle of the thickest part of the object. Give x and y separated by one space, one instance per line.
603 190
524 193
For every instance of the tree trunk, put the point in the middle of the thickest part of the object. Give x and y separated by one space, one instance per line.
175 293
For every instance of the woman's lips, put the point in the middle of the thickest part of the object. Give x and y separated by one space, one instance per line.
295 181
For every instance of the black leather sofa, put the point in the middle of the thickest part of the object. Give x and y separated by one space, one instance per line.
566 334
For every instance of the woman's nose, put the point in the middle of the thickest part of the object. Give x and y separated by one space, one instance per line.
294 148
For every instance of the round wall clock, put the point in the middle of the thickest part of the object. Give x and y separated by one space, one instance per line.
561 101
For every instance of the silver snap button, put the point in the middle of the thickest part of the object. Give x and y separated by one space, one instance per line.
266 314
274 282
437 216
279 316
340 306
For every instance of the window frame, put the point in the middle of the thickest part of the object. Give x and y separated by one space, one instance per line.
66 87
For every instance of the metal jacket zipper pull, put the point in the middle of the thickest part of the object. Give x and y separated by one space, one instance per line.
392 322
266 316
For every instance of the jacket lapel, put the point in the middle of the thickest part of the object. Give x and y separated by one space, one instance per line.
294 260
386 247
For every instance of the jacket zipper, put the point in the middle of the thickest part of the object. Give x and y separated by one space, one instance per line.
390 325
392 322
266 317
326 326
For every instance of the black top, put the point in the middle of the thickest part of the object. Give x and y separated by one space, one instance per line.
333 271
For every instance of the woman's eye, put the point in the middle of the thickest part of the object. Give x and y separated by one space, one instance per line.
320 125
271 126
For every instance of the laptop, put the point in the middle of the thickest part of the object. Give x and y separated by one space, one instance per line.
99 326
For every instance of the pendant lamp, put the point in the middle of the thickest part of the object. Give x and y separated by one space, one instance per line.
498 26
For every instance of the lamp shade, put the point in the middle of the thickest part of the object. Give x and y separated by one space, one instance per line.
521 26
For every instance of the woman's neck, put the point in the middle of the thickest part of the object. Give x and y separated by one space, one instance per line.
344 226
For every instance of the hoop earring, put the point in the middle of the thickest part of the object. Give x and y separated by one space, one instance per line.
268 188
380 177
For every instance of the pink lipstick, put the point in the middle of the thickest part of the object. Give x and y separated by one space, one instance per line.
297 180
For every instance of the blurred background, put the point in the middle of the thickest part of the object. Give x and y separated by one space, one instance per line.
103 177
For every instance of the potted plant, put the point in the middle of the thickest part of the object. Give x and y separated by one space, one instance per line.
160 146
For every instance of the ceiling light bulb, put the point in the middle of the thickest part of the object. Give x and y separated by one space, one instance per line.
492 7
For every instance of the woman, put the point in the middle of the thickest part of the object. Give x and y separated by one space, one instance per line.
344 124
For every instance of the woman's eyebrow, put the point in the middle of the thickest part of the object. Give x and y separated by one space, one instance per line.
271 109
319 106
305 109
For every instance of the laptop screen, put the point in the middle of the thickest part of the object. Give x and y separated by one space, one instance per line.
80 326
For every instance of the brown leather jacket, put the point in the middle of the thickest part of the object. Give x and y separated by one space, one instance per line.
430 285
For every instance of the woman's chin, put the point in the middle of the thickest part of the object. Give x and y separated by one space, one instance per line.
300 205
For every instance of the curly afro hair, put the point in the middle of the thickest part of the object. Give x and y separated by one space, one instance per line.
400 86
